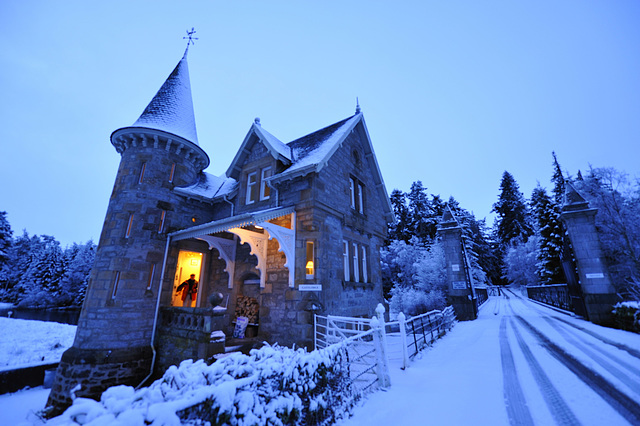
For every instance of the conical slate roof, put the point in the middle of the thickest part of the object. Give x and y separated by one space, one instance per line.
171 109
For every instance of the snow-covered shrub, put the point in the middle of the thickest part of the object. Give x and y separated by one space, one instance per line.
418 274
627 315
272 385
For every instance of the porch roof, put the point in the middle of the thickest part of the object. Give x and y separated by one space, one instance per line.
251 218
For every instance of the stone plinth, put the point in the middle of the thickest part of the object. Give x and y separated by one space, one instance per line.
461 293
598 293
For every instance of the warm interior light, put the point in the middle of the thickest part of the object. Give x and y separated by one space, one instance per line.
258 227
310 267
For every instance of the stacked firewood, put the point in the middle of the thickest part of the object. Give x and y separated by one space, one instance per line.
247 307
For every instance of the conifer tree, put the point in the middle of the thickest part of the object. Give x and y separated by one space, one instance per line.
400 229
79 260
512 223
558 181
42 280
6 239
550 232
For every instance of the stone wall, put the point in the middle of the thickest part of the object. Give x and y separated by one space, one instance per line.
95 371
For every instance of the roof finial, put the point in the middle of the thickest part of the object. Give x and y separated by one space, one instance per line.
190 38
357 105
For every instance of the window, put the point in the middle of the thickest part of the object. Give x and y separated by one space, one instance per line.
116 281
356 264
172 172
364 264
345 260
252 188
162 216
310 266
352 192
356 192
152 272
265 190
142 169
128 233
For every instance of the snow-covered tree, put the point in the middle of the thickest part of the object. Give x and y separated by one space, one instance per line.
79 261
42 280
550 233
521 262
6 239
512 223
424 213
418 275
400 229
558 181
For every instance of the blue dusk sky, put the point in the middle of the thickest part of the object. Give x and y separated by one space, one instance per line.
453 92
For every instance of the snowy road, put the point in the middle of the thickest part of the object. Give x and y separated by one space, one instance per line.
519 363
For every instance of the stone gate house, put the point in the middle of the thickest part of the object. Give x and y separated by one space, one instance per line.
290 230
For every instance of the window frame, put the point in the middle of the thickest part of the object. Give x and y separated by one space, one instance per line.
250 188
127 233
142 169
265 190
365 275
356 263
346 260
172 172
311 259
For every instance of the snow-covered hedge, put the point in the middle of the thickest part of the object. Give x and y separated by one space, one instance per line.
627 315
272 385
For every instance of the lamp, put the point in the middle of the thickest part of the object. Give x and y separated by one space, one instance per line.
309 267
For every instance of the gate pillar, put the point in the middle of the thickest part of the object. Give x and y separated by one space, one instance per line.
461 291
598 292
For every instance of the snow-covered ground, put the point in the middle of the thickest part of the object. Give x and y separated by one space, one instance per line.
482 367
518 363
24 342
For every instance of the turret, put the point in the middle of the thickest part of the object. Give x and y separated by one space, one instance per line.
158 152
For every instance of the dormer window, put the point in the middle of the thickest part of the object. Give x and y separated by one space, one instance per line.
252 188
265 190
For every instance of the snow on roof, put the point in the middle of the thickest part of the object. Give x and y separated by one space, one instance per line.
313 150
171 109
274 143
209 186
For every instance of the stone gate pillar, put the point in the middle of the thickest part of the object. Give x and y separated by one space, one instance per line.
461 291
598 292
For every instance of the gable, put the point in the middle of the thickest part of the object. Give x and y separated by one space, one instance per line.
257 135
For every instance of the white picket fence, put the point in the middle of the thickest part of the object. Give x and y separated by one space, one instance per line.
371 343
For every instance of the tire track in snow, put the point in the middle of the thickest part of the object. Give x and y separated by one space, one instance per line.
633 352
606 361
517 408
619 401
556 404
621 346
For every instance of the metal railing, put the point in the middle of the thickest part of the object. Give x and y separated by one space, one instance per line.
555 295
369 342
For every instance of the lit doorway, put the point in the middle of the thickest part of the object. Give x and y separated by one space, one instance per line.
189 262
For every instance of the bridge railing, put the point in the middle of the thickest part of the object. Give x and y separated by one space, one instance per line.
555 295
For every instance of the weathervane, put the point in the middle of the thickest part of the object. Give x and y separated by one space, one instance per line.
190 38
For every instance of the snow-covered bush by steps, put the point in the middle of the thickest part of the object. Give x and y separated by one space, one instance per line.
627 315
272 385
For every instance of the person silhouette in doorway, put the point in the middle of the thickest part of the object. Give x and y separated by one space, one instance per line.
189 290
